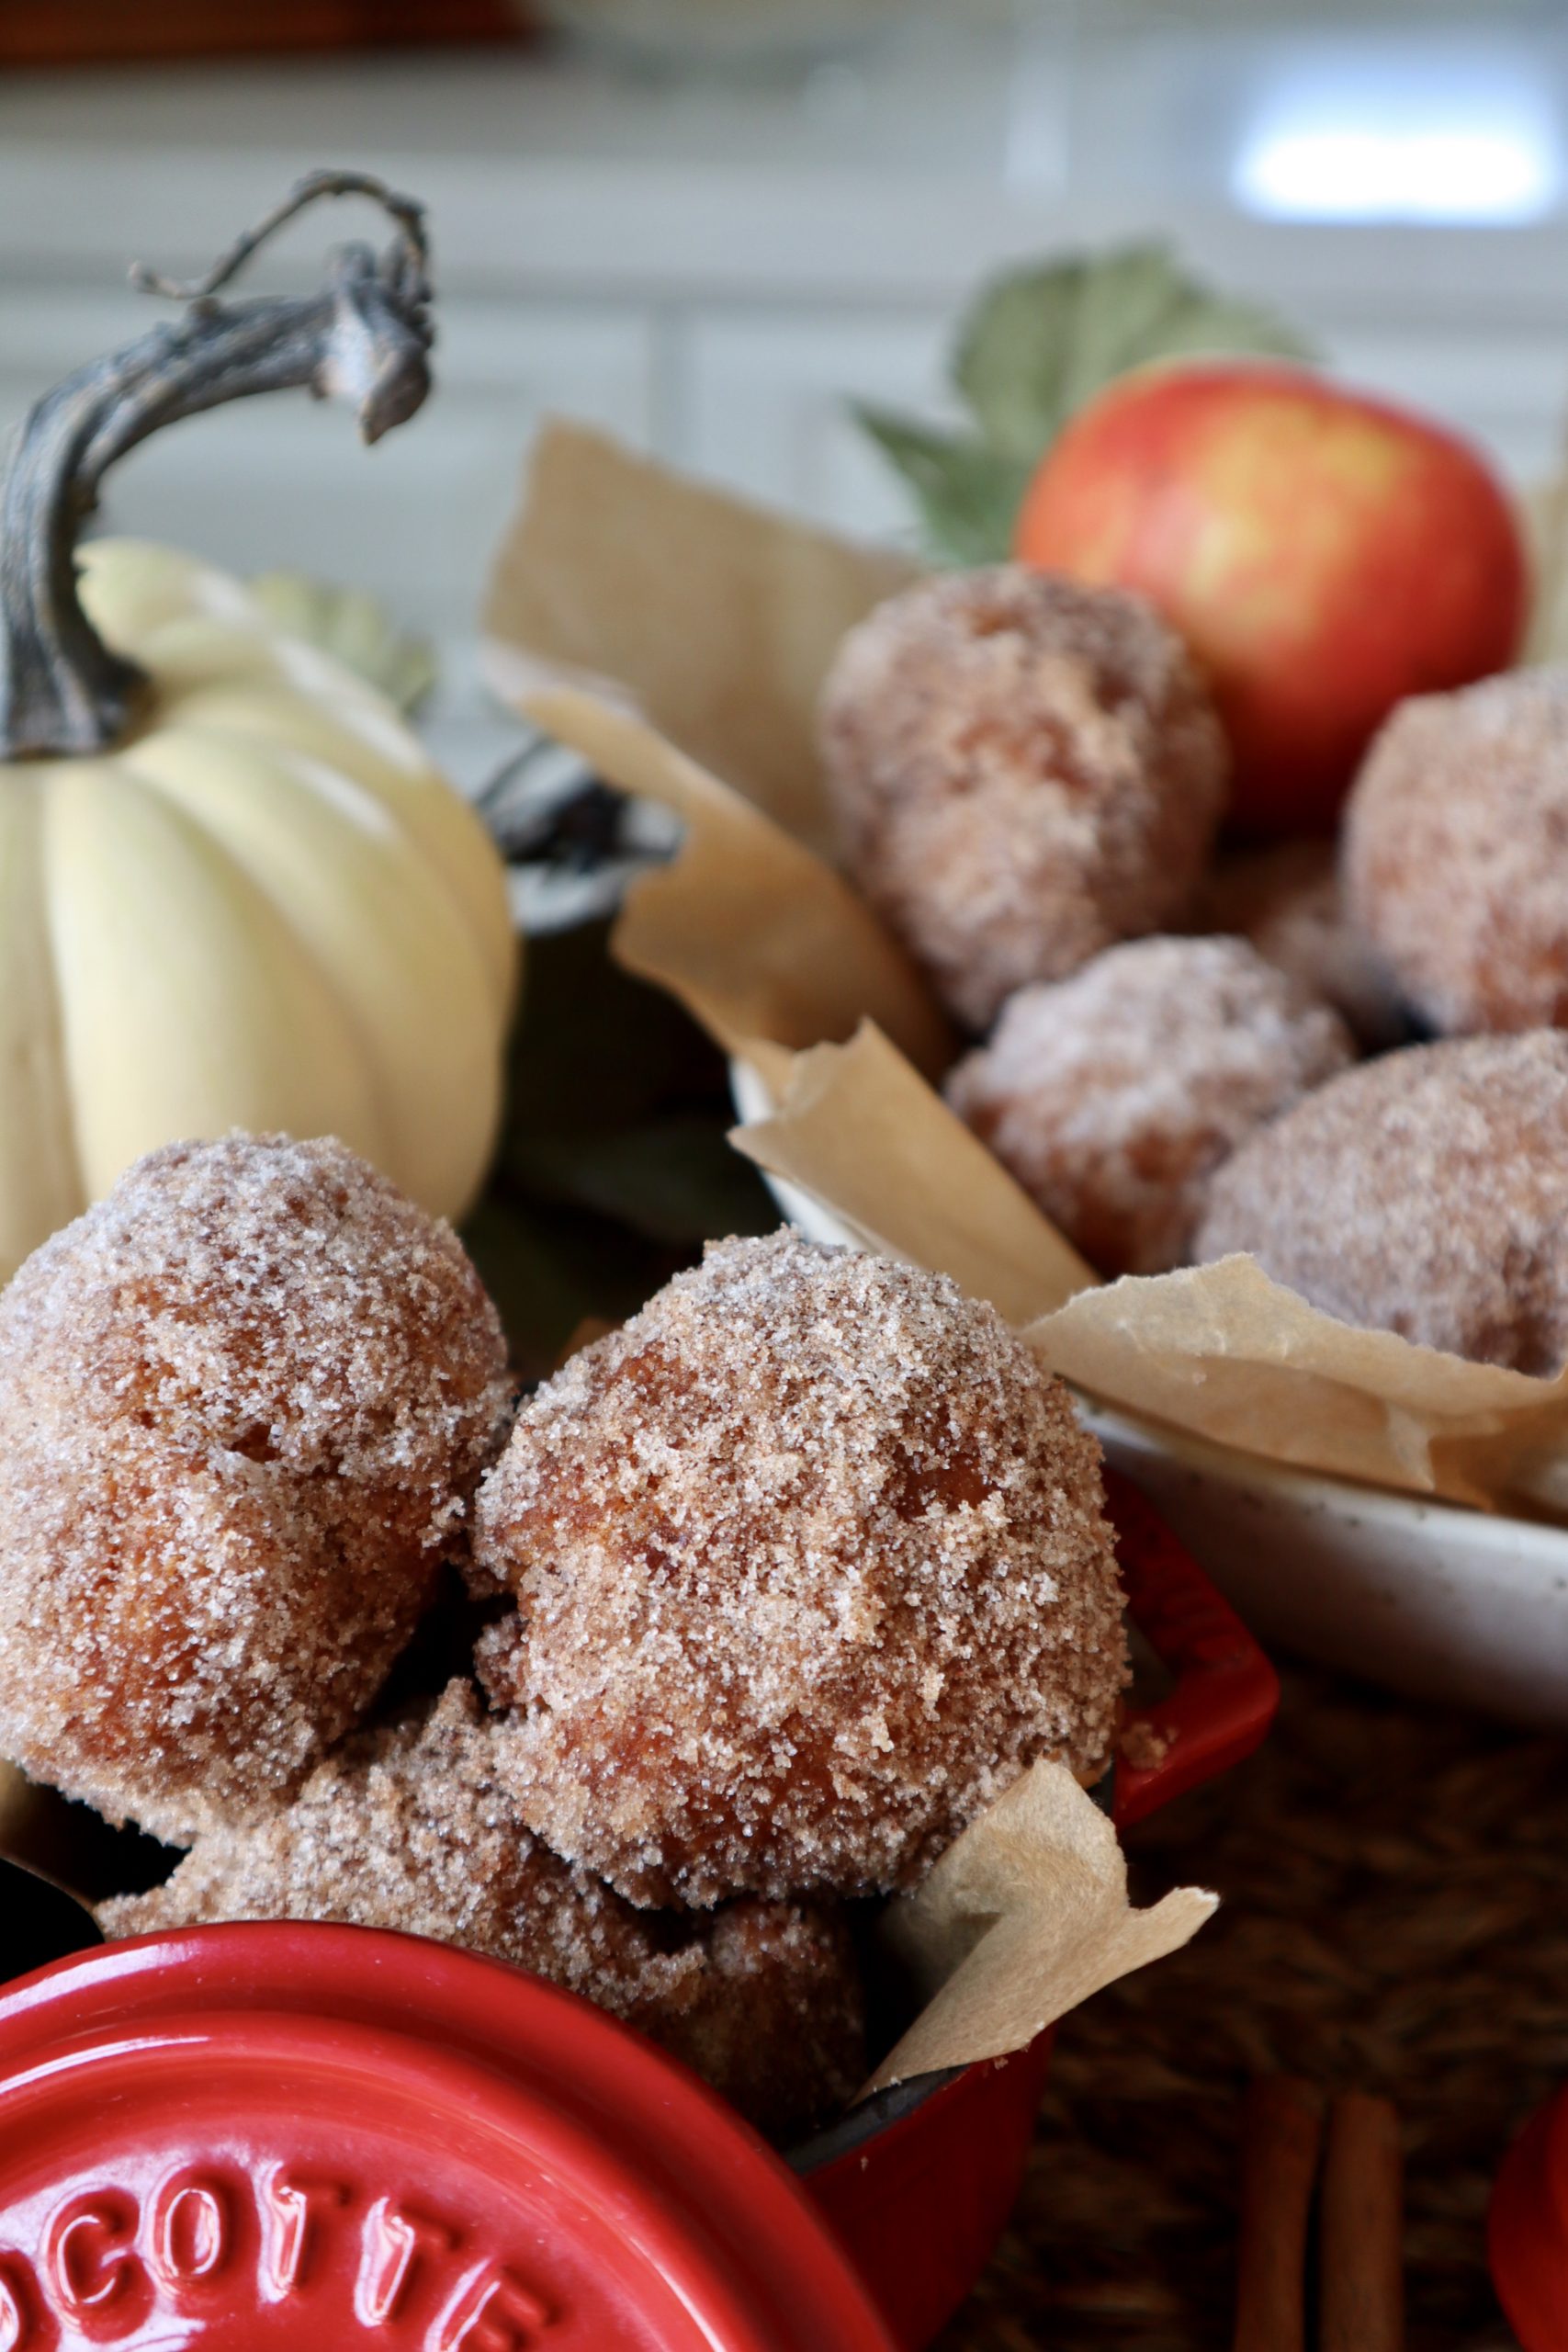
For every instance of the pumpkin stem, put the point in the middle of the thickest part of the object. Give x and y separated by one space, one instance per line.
363 338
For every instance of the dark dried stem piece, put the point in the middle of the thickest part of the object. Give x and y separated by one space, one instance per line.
408 214
363 339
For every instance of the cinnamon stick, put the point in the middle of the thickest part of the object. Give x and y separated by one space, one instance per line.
1361 2297
1281 2133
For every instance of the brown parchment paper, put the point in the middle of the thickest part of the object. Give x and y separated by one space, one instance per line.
717 618
1025 1916
1545 513
1219 1350
862 1133
752 929
756 935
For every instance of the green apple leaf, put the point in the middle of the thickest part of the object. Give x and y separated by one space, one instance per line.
1041 342
1035 346
967 491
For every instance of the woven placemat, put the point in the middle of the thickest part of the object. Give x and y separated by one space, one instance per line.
1395 1919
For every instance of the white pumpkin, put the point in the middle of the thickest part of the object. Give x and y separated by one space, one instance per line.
262 908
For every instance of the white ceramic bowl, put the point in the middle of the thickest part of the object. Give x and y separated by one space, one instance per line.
1440 1603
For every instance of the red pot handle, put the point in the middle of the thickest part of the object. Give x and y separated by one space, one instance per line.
1226 1690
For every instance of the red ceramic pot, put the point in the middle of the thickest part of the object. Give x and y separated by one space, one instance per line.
263 2136
276 2135
1527 2232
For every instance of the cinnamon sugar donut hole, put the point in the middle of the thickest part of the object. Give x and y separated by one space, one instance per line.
410 1826
768 2006
243 1402
1115 1094
1456 852
810 1562
1025 770
1426 1193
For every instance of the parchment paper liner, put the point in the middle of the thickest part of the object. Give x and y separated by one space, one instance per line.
1025 1916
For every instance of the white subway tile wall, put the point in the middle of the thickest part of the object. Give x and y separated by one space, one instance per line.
715 270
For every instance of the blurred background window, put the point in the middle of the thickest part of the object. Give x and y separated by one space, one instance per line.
1465 129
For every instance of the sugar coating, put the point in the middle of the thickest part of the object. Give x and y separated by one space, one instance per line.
1115 1094
1025 770
1455 861
1425 1192
810 1562
409 1826
243 1403
769 2008
1288 903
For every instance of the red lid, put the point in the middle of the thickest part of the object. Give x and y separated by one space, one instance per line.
270 2135
1527 2232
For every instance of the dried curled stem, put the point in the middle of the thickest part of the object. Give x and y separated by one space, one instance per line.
363 339
408 214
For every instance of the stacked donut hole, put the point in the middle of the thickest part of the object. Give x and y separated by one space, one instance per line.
1347 1060
776 1589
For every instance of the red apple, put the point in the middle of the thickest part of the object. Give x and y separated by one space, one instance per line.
1324 555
